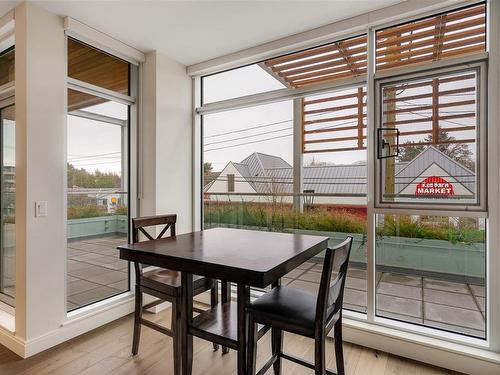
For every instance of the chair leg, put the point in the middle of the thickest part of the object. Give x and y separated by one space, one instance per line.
137 320
214 300
319 355
226 296
252 346
277 348
176 336
339 347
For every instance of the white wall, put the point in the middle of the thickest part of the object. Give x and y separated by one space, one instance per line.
40 156
240 185
167 140
147 134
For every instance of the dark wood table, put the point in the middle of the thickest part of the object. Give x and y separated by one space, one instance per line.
247 258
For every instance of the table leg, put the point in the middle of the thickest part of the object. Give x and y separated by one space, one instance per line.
187 318
243 300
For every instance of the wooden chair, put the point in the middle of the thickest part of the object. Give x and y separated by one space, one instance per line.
165 285
303 313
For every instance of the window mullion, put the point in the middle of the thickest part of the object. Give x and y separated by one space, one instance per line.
370 107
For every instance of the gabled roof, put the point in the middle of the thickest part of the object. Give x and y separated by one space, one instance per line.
257 164
424 160
272 174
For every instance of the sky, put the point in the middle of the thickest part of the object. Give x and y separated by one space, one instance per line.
229 135
96 145
233 135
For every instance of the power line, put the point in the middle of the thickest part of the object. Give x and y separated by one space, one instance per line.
275 131
248 143
249 136
250 128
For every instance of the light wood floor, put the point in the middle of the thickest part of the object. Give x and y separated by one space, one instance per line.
107 351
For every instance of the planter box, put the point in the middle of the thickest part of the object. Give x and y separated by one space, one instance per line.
97 226
437 258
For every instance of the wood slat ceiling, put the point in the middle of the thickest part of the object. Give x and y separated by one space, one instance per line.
7 67
342 59
93 66
447 35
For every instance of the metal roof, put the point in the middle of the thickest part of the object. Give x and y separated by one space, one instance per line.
272 174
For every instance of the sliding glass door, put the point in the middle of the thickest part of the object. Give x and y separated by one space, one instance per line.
98 203
7 205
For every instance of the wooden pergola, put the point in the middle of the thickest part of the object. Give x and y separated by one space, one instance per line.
337 122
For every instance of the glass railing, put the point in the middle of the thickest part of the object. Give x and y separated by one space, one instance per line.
429 270
334 216
97 222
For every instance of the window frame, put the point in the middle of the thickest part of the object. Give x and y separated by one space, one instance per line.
5 298
369 320
129 130
7 98
481 136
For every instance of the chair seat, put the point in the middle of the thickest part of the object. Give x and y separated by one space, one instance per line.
169 282
290 309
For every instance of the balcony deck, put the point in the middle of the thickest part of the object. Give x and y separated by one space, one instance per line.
95 272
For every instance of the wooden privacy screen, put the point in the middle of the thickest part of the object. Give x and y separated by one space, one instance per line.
334 122
434 38
432 111
342 59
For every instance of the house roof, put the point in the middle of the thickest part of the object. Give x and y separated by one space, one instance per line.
272 174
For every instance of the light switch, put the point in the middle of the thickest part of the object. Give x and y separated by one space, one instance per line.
40 208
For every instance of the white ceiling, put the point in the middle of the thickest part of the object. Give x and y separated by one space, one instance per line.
195 31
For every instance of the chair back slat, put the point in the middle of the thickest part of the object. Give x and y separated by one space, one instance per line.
331 292
143 231
139 225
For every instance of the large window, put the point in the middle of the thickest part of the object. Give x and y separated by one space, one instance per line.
429 143
98 126
409 186
431 270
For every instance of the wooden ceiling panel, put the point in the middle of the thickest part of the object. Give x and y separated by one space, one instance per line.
93 66
7 67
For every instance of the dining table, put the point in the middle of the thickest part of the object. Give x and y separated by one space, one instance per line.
245 258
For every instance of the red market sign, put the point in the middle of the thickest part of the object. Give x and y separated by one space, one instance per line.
434 185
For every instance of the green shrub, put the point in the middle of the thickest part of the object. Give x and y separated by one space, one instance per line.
81 212
279 216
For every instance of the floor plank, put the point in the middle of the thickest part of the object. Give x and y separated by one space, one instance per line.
107 351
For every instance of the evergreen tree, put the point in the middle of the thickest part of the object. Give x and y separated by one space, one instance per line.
459 152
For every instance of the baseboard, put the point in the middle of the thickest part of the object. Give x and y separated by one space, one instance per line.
79 325
453 356
11 342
